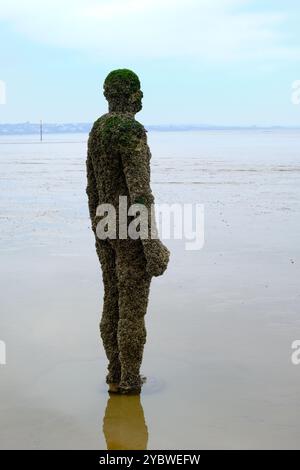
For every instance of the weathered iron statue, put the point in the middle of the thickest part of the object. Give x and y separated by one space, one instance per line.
118 164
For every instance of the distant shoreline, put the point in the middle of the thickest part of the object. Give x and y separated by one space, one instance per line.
28 128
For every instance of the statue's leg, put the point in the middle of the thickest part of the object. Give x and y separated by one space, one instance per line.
110 315
133 285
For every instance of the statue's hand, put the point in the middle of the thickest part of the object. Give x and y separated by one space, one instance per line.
157 257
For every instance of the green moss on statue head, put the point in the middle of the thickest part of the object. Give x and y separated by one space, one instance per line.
121 82
122 91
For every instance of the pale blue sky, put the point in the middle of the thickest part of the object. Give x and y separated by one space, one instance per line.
200 61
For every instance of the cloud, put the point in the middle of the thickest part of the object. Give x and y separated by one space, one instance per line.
213 30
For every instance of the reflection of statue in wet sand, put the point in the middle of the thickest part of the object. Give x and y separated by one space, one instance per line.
124 425
118 164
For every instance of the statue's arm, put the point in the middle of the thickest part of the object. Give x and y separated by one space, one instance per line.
136 166
91 189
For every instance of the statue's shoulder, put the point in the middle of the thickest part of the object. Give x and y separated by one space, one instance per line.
119 131
123 124
98 124
118 122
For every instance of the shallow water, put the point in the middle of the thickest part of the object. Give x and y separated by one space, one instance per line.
220 322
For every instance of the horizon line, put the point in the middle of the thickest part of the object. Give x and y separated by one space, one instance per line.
170 126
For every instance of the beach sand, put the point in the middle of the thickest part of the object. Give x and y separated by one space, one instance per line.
220 322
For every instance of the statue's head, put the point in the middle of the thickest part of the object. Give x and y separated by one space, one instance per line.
122 89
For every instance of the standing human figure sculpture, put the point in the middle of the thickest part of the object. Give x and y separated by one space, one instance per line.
118 164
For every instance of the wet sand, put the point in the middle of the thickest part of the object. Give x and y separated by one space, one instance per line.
220 322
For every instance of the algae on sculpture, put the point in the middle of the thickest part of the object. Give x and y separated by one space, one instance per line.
118 164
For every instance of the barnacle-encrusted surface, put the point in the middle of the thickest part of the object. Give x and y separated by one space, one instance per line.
118 164
122 91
